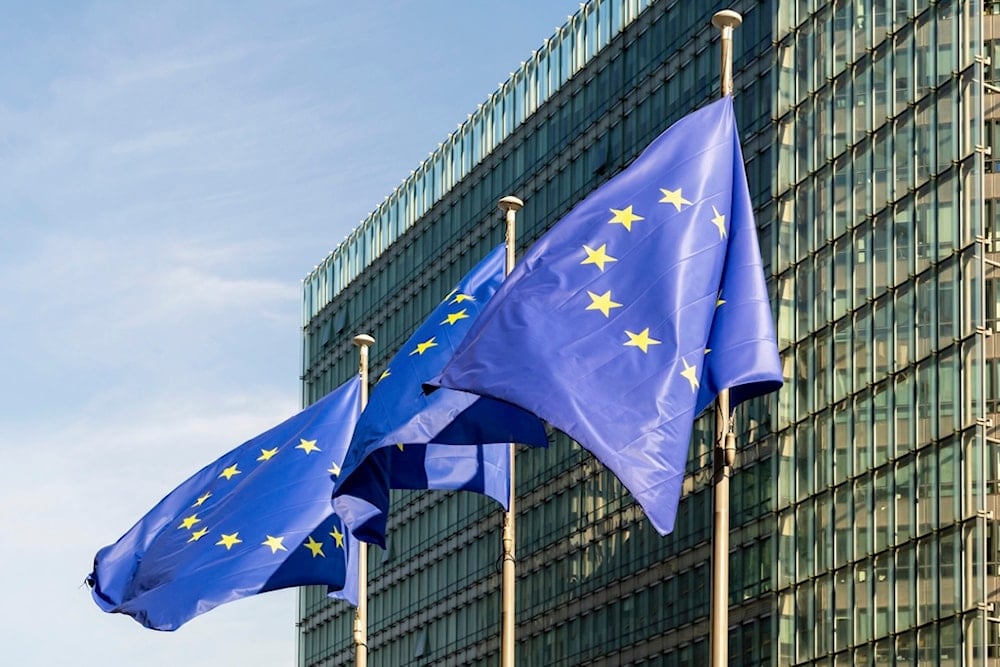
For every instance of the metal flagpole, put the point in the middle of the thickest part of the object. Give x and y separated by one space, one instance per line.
725 441
363 341
510 206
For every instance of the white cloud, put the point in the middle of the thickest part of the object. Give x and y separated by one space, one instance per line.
156 141
117 464
170 173
74 487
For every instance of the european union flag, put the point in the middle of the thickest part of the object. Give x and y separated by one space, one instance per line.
256 520
447 440
626 319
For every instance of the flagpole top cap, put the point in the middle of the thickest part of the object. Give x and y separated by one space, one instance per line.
510 204
727 18
363 340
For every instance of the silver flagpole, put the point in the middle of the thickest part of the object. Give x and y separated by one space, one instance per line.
725 442
363 341
508 646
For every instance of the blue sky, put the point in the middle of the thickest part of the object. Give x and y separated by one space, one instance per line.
169 172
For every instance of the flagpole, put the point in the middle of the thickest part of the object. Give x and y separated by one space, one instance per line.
363 341
510 206
725 441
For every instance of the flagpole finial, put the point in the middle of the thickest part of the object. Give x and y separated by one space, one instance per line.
510 203
363 340
727 18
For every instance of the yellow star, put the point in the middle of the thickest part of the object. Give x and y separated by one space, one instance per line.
229 540
266 454
386 373
189 521
338 537
202 499
308 446
426 345
602 303
624 217
719 221
334 469
459 298
673 197
400 445
450 294
598 257
274 543
198 534
720 301
315 547
231 471
690 373
641 340
455 317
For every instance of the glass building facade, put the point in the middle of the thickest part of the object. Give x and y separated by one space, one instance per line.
865 501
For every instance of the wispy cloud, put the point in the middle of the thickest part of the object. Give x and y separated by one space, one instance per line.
157 141
77 485
107 316
170 171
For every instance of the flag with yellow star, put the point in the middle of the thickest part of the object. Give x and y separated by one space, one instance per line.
406 439
625 320
257 519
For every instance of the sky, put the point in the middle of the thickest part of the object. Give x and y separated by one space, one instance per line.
169 173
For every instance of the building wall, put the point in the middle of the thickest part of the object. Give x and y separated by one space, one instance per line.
859 531
880 478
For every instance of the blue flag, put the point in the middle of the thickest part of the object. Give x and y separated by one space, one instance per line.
625 320
406 439
256 520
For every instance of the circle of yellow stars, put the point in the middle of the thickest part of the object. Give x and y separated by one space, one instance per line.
600 257
273 542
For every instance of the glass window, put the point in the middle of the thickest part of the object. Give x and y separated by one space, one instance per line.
824 532
881 64
863 602
863 511
804 460
924 142
786 472
950 572
786 628
883 602
842 442
806 621
882 336
904 587
903 67
785 171
948 482
862 432
946 129
843 508
843 615
862 27
805 540
883 509
927 646
786 548
947 305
